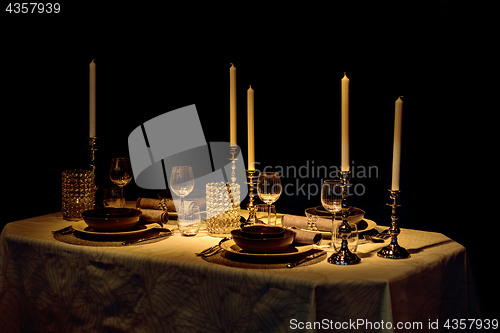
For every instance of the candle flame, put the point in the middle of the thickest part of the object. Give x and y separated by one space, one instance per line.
250 87
93 60
232 65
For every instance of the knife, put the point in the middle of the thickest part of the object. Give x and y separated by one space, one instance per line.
306 259
166 234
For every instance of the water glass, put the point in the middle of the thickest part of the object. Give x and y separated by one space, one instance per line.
264 216
78 193
189 222
352 240
311 221
113 197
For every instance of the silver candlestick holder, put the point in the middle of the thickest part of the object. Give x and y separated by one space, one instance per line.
394 250
344 256
252 210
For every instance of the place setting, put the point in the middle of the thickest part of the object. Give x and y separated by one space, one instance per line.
265 247
256 244
112 224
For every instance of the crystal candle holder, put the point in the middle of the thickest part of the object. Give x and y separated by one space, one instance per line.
78 193
223 208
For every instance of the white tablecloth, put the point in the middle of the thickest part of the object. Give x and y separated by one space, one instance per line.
50 286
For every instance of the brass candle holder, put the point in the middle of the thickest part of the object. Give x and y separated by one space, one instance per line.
92 149
394 250
252 210
232 149
344 256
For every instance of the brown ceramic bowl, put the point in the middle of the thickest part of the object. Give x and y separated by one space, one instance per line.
262 231
263 245
111 219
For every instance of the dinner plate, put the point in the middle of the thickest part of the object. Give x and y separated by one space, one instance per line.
231 246
82 227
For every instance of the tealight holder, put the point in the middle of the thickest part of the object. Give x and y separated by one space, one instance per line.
344 256
394 250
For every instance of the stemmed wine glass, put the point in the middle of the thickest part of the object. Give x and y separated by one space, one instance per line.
120 172
269 189
331 198
182 182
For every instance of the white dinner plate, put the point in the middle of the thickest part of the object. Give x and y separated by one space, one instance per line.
82 227
231 246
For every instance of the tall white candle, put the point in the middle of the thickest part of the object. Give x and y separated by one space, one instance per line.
251 129
345 124
232 104
396 157
92 82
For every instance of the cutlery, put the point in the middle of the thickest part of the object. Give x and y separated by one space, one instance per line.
140 240
373 239
64 231
306 259
214 249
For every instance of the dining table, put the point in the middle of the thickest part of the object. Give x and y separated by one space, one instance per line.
52 284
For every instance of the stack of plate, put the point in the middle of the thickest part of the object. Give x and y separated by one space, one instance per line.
111 219
263 238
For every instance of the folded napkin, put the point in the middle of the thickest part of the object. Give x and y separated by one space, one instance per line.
171 203
153 215
148 203
307 237
301 222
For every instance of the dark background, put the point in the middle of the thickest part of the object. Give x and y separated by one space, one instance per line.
438 55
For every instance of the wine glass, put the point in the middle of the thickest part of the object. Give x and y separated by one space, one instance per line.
120 172
331 198
269 189
182 182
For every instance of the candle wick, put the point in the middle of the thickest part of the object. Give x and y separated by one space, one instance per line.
93 60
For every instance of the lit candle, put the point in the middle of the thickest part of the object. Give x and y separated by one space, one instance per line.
92 99
345 124
232 103
251 129
396 158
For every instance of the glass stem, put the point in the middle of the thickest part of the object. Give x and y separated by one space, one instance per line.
122 198
333 226
269 214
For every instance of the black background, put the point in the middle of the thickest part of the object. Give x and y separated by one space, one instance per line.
438 55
